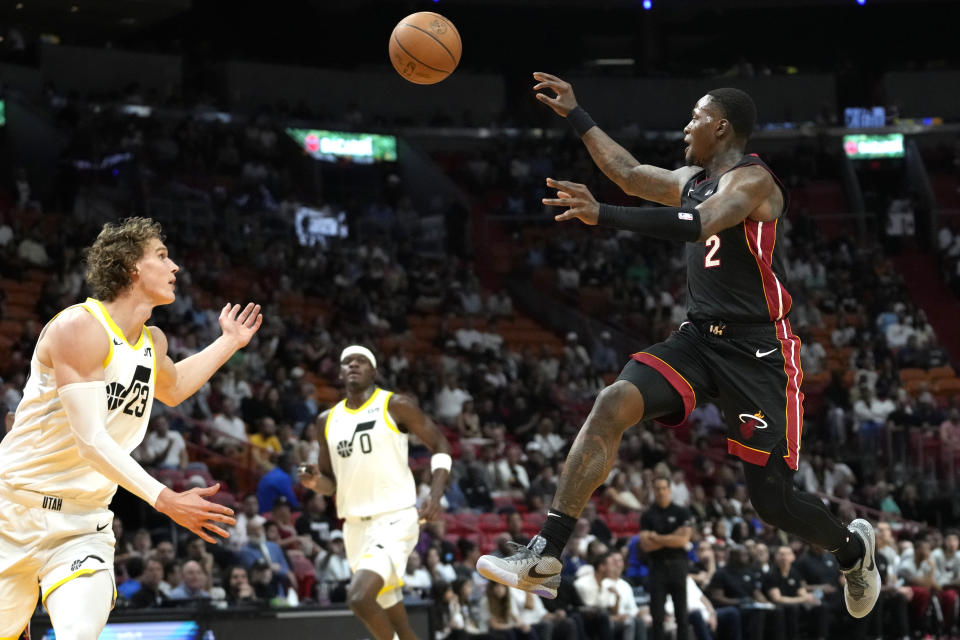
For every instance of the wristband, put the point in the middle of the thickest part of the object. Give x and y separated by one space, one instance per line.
580 120
666 223
440 461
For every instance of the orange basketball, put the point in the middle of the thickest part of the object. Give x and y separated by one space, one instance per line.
425 47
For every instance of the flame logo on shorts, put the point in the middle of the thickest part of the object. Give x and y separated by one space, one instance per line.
749 422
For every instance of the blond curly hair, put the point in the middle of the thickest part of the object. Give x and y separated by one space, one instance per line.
114 254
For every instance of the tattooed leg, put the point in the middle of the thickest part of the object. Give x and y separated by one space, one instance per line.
594 452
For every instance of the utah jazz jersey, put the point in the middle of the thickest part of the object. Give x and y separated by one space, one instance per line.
369 457
737 275
40 453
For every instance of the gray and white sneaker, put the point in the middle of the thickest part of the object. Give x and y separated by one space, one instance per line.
862 586
526 569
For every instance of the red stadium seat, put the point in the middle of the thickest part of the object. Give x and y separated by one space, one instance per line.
493 522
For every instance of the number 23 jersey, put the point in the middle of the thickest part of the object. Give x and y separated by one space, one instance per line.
368 453
40 453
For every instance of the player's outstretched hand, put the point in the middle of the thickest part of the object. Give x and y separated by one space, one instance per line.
564 102
431 510
240 326
192 511
583 206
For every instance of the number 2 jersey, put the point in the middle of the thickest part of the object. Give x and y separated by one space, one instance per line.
369 456
40 453
737 275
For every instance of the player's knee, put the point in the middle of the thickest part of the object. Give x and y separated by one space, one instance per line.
618 406
361 603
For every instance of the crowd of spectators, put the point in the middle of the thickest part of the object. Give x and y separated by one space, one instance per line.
511 414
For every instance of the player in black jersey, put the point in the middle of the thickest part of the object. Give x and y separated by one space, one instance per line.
737 348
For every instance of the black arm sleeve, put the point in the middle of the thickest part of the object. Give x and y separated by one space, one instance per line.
667 223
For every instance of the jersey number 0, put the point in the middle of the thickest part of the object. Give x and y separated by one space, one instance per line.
345 447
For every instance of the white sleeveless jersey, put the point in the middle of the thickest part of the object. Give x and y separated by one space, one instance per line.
40 453
369 457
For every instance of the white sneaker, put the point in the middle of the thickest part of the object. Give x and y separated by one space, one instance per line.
862 586
526 569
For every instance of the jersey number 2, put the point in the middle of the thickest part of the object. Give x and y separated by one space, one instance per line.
713 245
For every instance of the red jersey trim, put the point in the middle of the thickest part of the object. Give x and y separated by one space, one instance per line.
761 238
677 381
747 454
793 368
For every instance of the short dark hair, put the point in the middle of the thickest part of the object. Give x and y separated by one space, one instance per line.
738 108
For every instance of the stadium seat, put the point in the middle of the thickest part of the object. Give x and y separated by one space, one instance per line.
942 372
493 522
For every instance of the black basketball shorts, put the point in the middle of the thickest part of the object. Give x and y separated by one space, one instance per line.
751 372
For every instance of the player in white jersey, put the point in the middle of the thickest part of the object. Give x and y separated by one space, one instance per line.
94 374
363 459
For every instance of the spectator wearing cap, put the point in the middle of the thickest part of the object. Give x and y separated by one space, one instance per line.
332 566
264 581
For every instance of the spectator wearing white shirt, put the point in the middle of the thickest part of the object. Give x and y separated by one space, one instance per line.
163 448
509 475
449 400
843 334
812 354
679 492
548 442
416 579
568 277
899 332
871 412
231 429
468 335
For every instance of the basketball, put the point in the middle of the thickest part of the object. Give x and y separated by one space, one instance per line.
425 47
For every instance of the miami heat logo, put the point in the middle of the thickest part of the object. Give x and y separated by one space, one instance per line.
749 422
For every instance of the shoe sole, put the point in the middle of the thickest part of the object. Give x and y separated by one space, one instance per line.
870 544
491 571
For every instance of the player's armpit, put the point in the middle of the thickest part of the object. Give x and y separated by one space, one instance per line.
166 369
743 193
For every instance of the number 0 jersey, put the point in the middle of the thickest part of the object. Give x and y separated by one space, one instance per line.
369 458
40 452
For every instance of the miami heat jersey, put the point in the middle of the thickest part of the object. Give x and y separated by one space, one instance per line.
737 275
369 458
40 453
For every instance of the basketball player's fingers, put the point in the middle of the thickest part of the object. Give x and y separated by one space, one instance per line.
203 534
219 516
223 533
566 215
562 201
206 491
544 98
542 76
249 313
